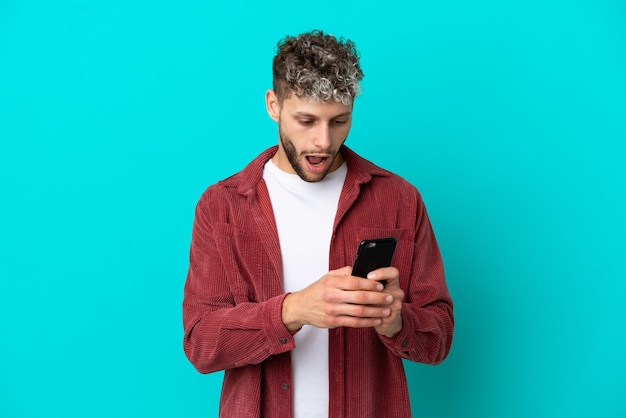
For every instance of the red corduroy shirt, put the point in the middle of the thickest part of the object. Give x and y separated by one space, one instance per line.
233 296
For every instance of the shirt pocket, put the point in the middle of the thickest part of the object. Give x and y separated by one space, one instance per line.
403 255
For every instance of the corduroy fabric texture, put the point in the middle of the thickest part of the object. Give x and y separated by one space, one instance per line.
233 296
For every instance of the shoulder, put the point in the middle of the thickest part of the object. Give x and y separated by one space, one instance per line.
232 190
378 179
394 189
245 180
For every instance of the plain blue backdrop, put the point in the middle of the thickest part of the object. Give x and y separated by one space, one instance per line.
508 116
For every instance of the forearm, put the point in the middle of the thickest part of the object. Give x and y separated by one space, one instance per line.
224 338
427 312
426 335
230 318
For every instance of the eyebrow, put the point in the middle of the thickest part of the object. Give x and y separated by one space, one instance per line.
310 115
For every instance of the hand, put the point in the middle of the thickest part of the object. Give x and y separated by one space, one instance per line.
392 323
339 299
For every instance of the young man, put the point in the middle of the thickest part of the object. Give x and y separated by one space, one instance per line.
269 296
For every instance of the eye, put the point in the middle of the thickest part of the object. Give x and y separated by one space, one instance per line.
306 122
341 122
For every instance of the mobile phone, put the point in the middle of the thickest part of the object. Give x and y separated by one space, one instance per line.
373 254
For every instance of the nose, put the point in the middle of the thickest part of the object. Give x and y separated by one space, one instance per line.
322 137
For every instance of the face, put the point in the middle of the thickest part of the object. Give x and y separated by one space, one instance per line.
310 135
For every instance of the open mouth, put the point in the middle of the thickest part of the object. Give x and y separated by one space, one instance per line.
315 160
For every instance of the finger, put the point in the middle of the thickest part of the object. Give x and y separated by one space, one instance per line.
354 283
364 311
387 274
354 322
359 297
344 271
367 298
357 318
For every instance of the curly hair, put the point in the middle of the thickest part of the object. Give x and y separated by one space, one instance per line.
317 66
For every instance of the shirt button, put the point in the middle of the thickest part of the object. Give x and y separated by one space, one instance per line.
285 386
283 340
405 343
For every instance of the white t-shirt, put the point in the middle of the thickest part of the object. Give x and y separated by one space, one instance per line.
304 214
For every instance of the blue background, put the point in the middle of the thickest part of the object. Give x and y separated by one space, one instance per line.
508 116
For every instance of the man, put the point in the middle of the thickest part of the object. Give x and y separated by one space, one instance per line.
269 296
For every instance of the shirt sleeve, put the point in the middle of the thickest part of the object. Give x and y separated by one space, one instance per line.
427 312
225 329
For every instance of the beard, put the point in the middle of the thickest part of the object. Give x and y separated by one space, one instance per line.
298 166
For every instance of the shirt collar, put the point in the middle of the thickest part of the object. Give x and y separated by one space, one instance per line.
360 170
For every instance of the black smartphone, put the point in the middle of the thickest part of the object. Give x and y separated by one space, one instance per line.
373 254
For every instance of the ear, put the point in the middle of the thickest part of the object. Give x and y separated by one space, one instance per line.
272 105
